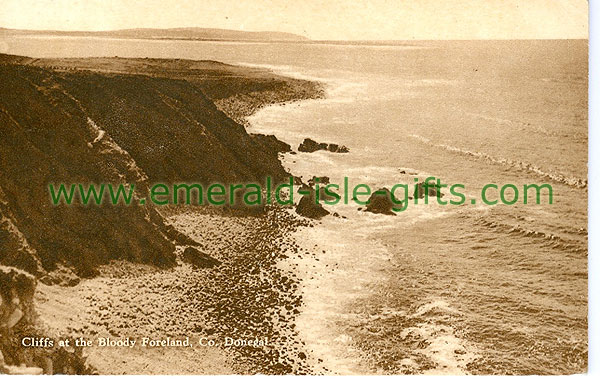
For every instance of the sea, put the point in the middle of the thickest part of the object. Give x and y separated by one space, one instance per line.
435 289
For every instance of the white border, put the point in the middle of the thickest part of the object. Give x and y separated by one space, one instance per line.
593 184
593 290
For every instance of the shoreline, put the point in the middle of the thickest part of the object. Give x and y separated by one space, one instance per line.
342 329
412 294
248 296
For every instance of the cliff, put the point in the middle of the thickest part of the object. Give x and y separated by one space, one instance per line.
118 121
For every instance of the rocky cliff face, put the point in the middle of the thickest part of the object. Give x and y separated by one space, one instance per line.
171 129
48 136
64 124
91 127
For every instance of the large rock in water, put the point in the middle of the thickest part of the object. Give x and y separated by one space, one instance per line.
381 202
307 207
431 190
199 259
323 182
310 146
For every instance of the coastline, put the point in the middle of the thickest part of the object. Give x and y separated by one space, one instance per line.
248 296
340 320
422 312
409 319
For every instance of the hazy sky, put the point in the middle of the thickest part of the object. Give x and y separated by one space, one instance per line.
316 19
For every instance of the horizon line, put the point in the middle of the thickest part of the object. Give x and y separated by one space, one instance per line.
306 38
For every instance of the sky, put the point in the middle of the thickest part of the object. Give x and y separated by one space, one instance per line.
315 19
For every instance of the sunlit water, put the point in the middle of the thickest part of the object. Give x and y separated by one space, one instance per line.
435 289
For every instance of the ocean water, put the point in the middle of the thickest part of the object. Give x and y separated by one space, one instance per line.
435 289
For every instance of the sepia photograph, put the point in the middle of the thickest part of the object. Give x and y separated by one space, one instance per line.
340 187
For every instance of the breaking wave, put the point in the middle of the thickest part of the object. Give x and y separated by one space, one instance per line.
548 239
514 164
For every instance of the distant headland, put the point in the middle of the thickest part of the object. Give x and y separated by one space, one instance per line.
208 34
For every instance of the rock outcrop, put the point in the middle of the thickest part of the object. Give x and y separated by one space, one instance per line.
199 259
309 208
381 202
321 180
18 321
310 146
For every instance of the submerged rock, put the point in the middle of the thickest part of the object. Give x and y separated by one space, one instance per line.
199 259
310 146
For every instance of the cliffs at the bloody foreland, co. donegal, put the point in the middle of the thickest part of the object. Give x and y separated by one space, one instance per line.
131 121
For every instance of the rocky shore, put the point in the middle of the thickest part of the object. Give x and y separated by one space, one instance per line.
239 107
248 297
143 279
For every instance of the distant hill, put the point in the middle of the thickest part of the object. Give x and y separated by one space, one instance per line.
171 33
